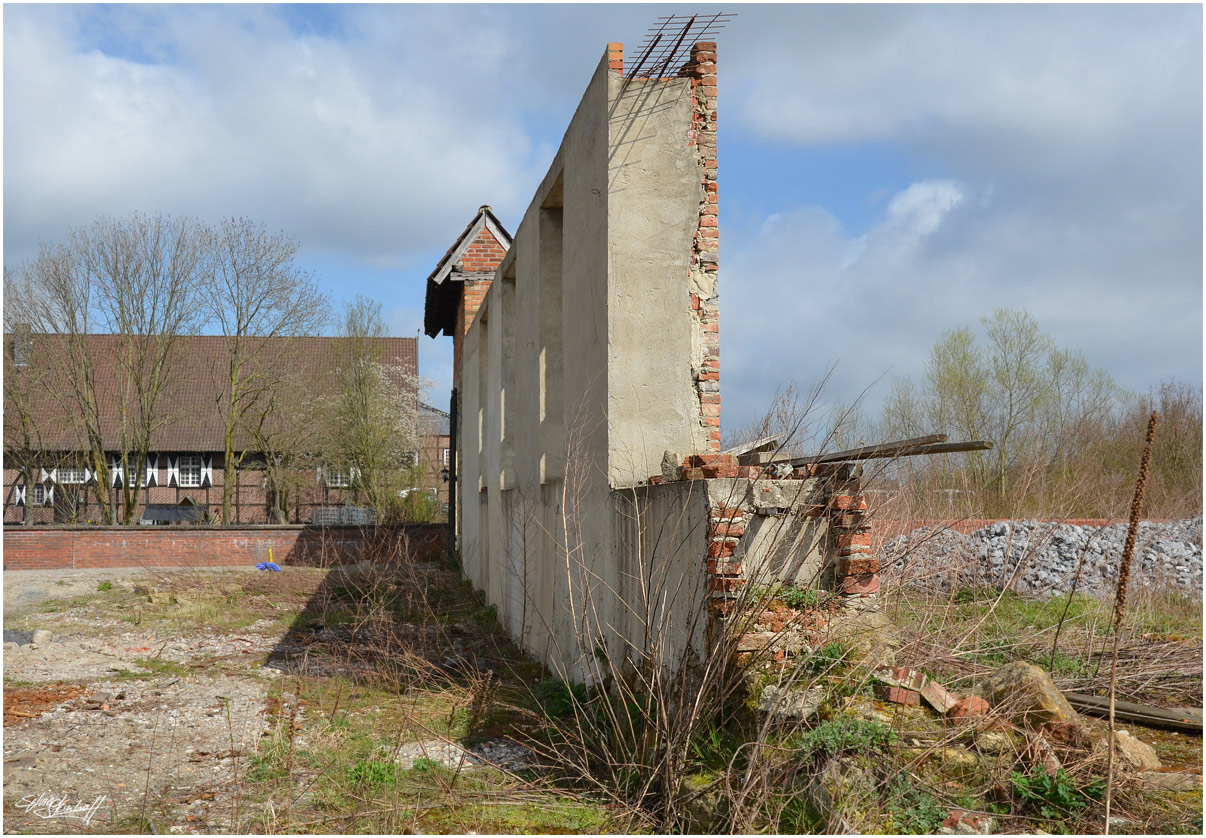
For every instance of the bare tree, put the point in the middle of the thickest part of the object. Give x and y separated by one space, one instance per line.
33 434
373 425
138 280
258 298
287 429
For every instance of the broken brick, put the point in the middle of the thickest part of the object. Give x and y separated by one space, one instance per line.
867 583
700 460
938 697
858 567
968 708
719 550
901 676
898 695
734 529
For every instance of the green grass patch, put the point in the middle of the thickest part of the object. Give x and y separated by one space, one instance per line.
912 811
372 773
829 659
160 666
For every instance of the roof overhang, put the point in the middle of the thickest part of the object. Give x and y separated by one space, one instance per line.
484 219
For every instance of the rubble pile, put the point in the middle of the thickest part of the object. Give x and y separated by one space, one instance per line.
1043 558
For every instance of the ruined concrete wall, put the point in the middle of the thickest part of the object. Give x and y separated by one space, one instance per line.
655 194
595 352
580 368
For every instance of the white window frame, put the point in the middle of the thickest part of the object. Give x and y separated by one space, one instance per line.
69 476
337 478
447 451
38 495
189 468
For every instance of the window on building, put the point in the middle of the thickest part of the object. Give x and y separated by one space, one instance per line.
39 494
446 452
190 470
338 478
70 475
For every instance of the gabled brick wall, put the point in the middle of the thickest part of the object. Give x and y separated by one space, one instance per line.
485 254
483 257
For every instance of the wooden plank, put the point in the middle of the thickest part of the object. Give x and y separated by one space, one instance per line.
1179 718
869 452
950 448
750 447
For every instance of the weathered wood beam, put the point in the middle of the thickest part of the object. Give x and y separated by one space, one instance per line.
869 452
904 448
950 448
1179 718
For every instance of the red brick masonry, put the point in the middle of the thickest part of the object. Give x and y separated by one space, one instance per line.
51 548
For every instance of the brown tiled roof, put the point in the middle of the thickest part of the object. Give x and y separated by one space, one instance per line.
191 406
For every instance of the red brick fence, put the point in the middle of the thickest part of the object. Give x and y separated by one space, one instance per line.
50 548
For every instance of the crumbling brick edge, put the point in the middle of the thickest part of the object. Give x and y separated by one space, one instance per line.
850 573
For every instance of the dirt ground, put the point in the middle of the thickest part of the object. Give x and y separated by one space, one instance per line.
235 701
121 709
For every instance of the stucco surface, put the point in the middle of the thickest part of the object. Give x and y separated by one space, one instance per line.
578 376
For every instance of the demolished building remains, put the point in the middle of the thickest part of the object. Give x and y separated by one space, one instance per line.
595 508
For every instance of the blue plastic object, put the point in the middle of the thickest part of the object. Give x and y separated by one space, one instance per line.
268 566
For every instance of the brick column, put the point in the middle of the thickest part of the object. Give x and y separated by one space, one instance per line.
615 57
726 575
857 571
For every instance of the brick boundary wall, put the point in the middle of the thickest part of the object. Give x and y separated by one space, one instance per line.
887 529
56 548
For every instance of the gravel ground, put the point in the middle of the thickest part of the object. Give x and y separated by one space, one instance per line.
23 588
112 710
136 724
1043 558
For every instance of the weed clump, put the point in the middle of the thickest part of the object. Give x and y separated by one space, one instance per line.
372 773
1055 797
845 734
558 699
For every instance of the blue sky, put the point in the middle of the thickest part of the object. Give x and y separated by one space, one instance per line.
886 172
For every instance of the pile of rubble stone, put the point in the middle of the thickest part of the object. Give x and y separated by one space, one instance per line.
1044 558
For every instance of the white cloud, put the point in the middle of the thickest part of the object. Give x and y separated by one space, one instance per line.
302 132
801 294
1054 155
911 216
1047 83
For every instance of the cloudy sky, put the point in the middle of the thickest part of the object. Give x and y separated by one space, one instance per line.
887 172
